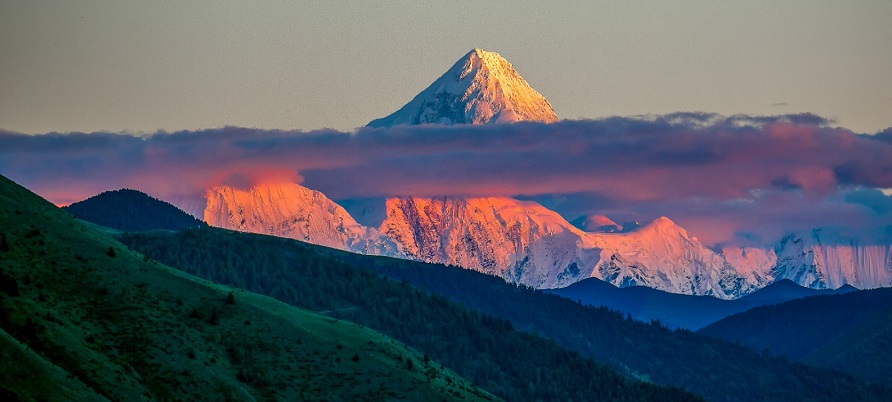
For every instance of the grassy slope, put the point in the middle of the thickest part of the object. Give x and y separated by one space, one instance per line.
125 328
35 378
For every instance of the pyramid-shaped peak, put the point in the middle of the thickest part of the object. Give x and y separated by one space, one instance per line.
481 87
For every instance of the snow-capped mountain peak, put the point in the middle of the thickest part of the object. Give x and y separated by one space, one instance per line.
481 87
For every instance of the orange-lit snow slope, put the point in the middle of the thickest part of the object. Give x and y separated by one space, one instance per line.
524 242
290 210
497 236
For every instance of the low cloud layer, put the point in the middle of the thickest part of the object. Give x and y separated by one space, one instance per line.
727 179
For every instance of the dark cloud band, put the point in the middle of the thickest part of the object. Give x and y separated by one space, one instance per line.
644 161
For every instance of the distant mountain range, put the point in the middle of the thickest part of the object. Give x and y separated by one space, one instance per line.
850 332
683 311
523 242
422 229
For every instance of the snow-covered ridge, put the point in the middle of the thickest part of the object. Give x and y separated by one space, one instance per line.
821 260
498 236
481 87
524 242
293 211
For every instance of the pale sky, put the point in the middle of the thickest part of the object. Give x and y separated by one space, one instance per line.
140 66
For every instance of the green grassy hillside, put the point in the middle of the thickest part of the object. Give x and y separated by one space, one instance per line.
84 318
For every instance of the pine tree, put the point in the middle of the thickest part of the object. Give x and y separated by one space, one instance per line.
9 285
215 318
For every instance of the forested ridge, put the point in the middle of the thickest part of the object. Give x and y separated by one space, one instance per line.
490 350
677 357
133 211
512 364
850 332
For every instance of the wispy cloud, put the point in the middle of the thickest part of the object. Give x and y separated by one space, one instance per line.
698 168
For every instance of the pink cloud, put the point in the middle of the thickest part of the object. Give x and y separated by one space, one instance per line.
639 165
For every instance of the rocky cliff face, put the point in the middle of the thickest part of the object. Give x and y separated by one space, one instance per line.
821 260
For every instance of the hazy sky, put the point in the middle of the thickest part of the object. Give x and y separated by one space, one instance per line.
148 65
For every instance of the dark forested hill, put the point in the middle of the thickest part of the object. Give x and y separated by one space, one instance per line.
132 211
682 311
480 346
850 332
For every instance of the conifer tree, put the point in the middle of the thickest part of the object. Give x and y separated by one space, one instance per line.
215 318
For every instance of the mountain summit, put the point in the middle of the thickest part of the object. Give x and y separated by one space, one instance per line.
481 87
